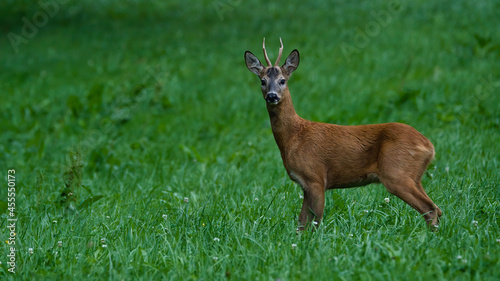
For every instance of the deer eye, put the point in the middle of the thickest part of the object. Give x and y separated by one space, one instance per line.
282 82
263 82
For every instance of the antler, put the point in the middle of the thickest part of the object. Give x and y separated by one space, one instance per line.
265 53
279 55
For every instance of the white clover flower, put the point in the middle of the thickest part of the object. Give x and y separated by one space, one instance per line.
351 235
387 200
30 251
216 239
215 258
315 222
59 243
294 246
104 246
474 222
164 216
103 240
186 200
256 199
54 221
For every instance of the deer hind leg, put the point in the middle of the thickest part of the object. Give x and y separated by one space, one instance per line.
313 205
414 195
438 212
401 168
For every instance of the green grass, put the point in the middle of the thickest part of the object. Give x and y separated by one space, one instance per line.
133 106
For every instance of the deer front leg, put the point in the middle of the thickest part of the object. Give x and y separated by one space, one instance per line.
312 205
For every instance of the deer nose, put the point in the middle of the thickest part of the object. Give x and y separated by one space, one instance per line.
272 97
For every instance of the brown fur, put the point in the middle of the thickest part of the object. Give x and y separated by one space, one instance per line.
320 156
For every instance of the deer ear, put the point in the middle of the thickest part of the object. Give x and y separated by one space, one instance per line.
253 63
292 62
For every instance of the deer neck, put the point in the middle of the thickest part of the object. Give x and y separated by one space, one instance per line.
285 122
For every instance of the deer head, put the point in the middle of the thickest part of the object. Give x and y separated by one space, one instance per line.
273 78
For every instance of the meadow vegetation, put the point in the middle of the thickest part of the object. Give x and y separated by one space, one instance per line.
143 149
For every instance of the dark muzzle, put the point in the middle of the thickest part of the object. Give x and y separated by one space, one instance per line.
272 98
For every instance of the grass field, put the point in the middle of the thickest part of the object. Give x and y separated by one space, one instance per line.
142 147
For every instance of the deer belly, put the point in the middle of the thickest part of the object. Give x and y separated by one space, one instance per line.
345 182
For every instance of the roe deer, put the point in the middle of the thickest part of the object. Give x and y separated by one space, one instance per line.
320 156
